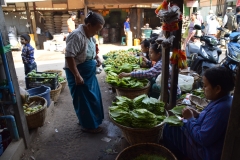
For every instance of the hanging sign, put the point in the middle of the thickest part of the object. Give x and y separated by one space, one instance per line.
192 3
238 3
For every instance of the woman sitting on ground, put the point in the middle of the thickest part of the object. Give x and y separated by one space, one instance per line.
145 44
155 54
202 135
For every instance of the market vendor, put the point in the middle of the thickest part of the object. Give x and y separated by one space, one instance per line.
145 44
155 54
202 135
80 68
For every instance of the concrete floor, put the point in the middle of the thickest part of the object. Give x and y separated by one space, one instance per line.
61 137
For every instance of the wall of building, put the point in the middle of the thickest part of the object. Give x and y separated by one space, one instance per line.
16 19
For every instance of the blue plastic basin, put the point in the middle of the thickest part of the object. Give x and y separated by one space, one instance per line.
42 91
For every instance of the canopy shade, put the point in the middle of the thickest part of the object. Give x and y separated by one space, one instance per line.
105 2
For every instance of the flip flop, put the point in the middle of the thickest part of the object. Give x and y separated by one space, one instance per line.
97 130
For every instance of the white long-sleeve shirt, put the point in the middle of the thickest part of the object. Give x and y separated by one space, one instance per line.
225 19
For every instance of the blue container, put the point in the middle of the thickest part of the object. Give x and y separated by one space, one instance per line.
42 91
1 149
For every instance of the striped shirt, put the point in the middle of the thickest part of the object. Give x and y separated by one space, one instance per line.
77 46
28 54
207 132
153 72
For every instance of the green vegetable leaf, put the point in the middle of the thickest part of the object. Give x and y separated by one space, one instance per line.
177 110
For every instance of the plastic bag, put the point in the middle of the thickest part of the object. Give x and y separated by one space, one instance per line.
24 95
185 82
158 79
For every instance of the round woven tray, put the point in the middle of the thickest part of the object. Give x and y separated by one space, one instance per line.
140 135
135 151
37 119
132 92
64 83
54 94
199 103
55 71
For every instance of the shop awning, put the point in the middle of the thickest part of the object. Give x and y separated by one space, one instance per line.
103 2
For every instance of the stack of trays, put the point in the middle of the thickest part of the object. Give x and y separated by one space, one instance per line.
64 28
48 24
58 23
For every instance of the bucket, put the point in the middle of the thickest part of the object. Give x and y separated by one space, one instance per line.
42 91
136 42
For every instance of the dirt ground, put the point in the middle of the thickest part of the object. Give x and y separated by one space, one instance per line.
61 137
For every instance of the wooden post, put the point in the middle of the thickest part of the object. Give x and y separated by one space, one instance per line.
85 8
28 18
133 21
175 69
18 109
165 72
139 22
231 149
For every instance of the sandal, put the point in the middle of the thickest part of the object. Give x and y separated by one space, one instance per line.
97 130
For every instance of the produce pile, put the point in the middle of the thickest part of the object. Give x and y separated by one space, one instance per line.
122 61
125 82
150 157
199 93
142 112
30 109
61 79
118 58
34 74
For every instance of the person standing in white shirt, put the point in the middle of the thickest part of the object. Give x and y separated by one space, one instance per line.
212 26
71 23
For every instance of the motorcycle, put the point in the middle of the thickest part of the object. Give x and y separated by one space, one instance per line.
232 52
206 56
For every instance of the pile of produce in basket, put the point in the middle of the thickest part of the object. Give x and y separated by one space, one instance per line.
125 82
34 74
126 67
117 58
150 157
198 92
30 109
61 79
142 112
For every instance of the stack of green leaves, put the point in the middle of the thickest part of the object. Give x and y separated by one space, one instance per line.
142 118
138 102
199 93
124 102
175 119
125 82
121 115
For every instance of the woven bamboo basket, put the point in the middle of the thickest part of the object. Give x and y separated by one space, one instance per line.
199 103
141 135
54 94
64 83
59 72
133 92
37 119
137 150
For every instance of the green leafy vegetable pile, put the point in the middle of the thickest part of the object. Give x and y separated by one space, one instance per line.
199 93
149 157
119 57
61 79
143 112
34 74
125 82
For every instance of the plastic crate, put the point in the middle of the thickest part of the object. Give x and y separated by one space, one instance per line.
39 81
